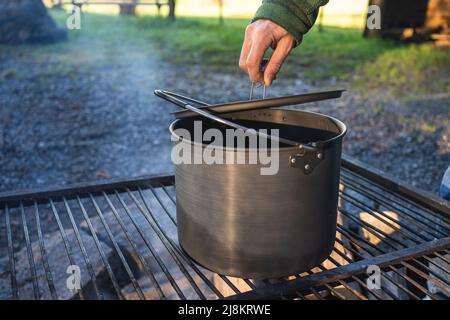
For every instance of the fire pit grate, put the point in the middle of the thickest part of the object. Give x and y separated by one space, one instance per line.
118 240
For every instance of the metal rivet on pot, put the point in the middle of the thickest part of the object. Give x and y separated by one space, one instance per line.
319 156
293 160
302 151
307 166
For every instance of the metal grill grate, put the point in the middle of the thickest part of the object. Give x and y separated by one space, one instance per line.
121 237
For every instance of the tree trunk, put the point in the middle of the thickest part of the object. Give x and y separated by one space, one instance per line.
127 9
27 21
220 3
172 9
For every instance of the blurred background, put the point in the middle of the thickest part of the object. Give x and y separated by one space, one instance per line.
77 104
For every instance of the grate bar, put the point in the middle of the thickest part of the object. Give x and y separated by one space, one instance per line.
439 203
133 244
300 296
12 267
381 200
343 272
442 257
397 229
135 284
414 283
355 278
359 204
343 283
435 206
387 277
169 244
83 250
175 246
411 281
150 247
417 285
250 284
316 294
48 273
168 194
30 254
374 231
85 189
427 277
65 240
416 217
162 206
358 295
391 268
377 214
417 262
100 249
414 265
333 290
437 266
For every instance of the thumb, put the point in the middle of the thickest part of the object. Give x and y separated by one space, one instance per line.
282 50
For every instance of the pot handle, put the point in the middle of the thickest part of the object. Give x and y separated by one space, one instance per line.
306 159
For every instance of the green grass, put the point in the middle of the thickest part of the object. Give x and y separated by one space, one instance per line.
339 55
335 53
407 71
332 53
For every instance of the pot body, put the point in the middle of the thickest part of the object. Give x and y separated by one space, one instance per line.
237 222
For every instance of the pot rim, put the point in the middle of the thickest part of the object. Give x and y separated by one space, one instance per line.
339 124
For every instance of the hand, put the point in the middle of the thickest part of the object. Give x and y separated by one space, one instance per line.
259 36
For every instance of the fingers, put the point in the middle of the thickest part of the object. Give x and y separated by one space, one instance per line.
282 50
254 59
253 49
246 46
259 36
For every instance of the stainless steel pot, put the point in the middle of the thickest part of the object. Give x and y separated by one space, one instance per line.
237 222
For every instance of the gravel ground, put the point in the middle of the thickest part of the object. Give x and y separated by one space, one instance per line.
105 122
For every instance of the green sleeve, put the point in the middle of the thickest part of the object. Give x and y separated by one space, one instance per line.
296 16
